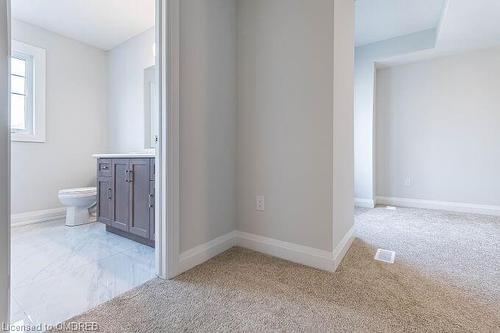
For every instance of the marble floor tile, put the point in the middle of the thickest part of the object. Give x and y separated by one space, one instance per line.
59 272
21 323
14 306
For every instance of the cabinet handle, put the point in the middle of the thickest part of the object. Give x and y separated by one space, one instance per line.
109 194
127 176
151 200
131 176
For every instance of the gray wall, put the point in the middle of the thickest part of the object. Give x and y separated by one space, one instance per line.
285 119
343 121
126 64
438 122
76 122
4 163
257 117
207 120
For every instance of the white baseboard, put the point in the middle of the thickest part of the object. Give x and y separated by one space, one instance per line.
341 250
441 205
201 253
38 216
293 252
364 203
301 254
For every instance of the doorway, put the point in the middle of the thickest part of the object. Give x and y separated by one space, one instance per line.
155 260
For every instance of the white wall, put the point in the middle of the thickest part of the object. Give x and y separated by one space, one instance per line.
438 122
94 104
76 122
207 120
366 58
285 119
126 64
4 163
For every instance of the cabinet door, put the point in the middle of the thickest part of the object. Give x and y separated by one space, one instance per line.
152 169
139 197
104 200
152 210
121 191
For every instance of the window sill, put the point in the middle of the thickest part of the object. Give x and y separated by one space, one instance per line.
25 137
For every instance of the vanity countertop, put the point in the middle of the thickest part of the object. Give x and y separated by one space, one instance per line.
125 155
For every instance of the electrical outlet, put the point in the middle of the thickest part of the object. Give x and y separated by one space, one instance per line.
260 203
408 181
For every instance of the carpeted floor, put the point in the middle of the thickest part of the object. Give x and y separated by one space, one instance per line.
446 278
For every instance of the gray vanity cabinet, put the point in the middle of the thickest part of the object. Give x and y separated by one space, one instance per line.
121 191
105 200
139 197
126 198
151 205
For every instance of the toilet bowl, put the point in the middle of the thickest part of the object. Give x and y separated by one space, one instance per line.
77 202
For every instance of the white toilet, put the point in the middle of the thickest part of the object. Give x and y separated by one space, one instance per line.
78 201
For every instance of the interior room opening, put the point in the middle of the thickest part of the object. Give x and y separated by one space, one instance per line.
84 128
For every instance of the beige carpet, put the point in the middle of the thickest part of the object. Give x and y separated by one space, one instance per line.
446 278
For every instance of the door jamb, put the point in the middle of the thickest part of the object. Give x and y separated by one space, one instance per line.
167 153
5 168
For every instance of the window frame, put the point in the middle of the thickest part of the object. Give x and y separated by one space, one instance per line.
35 57
28 93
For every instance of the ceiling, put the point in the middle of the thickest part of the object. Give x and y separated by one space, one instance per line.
465 25
100 23
470 25
378 20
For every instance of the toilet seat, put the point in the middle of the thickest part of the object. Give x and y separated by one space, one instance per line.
78 192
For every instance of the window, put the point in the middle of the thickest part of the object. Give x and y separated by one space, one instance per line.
27 93
21 96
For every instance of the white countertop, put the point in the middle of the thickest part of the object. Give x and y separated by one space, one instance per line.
125 155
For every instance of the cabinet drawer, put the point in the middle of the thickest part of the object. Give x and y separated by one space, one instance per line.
104 168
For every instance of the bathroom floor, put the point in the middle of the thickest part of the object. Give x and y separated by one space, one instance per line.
59 271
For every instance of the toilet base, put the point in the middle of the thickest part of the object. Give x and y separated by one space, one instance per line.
77 216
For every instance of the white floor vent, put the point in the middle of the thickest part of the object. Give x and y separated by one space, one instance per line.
385 256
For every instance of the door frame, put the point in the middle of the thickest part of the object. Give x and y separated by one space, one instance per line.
167 184
4 161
